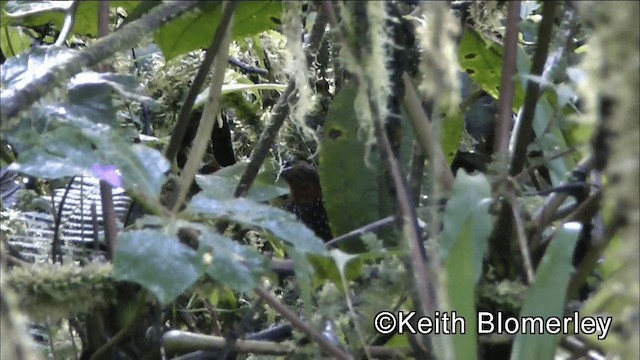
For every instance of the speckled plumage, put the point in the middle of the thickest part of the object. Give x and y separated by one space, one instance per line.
305 198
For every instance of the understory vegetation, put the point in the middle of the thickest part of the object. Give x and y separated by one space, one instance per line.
477 160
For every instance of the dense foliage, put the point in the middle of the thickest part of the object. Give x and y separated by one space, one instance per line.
475 159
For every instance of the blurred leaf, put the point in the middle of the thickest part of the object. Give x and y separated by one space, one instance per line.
546 296
482 60
222 184
461 279
451 129
232 264
157 261
195 30
468 205
363 196
31 13
230 88
22 69
280 223
63 152
14 41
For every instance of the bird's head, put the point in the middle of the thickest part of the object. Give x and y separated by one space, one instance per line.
303 181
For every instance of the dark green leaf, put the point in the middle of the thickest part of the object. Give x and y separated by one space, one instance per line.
157 261
363 197
280 223
546 296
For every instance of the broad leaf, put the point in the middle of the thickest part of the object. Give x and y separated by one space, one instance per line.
279 223
157 261
467 206
232 264
195 30
363 194
546 296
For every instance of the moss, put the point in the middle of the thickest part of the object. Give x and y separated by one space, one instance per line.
49 291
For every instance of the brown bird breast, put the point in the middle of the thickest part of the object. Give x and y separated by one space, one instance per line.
305 198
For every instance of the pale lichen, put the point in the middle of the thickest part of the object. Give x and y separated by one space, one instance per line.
305 101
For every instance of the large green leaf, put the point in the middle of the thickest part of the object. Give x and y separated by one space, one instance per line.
195 30
546 296
467 206
280 223
359 194
157 261
232 264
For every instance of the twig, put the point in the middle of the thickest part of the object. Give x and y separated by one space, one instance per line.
20 96
297 322
424 133
108 218
209 115
523 131
183 119
67 26
120 335
521 235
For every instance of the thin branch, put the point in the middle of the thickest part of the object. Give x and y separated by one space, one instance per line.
521 235
523 132
185 112
209 115
507 81
425 134
67 26
21 96
301 325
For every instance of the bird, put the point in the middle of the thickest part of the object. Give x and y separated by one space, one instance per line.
305 198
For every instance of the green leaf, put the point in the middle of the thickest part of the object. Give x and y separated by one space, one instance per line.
222 184
63 152
468 205
14 41
482 59
280 223
195 30
32 13
157 261
142 168
364 197
461 285
546 296
23 68
232 264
